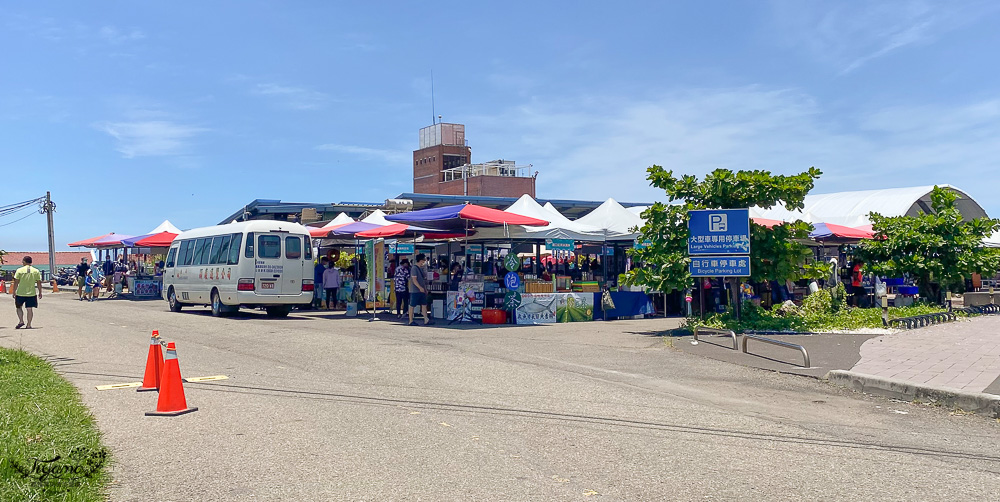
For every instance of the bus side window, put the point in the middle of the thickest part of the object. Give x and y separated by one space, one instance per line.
202 251
188 252
309 248
171 256
249 251
234 249
220 245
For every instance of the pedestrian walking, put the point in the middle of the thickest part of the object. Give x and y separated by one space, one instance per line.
81 277
331 283
318 270
27 291
401 281
418 288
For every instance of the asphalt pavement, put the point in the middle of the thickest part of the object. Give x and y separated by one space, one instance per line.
322 407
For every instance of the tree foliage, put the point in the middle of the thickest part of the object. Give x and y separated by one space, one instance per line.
775 254
936 250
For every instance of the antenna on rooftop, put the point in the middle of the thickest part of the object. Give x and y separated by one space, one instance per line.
433 114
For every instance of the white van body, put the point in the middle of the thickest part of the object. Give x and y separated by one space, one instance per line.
252 264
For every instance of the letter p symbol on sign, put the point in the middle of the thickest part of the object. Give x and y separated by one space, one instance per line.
717 223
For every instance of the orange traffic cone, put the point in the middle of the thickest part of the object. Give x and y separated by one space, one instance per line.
154 365
3 287
55 287
171 401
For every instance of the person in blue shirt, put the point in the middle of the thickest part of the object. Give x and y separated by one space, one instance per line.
318 282
90 288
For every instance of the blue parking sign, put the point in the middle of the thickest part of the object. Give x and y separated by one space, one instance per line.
720 266
719 232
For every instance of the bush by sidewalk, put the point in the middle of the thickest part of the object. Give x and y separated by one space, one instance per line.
820 311
50 448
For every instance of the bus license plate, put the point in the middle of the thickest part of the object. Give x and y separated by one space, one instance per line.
266 285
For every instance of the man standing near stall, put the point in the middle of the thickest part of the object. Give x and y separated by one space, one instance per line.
81 276
418 288
27 291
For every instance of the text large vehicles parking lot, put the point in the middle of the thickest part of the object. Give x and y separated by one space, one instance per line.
251 264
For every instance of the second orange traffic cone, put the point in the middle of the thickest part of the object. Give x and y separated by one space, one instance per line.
171 401
154 365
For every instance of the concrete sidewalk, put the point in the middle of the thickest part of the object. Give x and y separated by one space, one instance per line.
962 356
956 364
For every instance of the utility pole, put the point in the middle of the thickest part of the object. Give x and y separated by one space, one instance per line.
48 208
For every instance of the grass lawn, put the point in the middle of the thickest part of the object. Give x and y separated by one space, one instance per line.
42 418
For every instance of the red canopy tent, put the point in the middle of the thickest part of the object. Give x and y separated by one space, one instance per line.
160 240
823 231
767 223
324 232
86 243
403 230
456 218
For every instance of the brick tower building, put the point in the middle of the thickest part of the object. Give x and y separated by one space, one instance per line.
443 165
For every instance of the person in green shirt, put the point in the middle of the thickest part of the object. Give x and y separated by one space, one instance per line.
27 291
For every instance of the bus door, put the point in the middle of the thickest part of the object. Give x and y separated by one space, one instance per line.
269 267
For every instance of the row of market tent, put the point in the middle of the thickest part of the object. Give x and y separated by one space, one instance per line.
525 219
159 237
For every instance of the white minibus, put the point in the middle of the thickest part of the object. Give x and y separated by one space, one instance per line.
262 263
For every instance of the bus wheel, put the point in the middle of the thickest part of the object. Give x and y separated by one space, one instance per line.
175 306
218 309
278 311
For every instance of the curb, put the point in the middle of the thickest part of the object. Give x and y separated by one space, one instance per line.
976 402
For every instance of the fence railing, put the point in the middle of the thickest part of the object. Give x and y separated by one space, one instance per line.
701 330
805 354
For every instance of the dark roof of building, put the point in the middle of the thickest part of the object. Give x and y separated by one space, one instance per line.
570 208
263 208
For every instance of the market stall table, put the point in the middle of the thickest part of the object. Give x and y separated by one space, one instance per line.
627 304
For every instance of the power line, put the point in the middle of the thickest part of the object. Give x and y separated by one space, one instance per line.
18 206
17 220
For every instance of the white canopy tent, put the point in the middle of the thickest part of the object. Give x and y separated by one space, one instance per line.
993 241
614 221
559 226
341 219
852 208
166 226
559 218
377 218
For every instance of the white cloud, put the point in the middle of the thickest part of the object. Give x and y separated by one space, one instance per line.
113 35
850 34
391 156
151 137
298 98
599 148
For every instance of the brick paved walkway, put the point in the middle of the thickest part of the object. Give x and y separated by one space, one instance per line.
960 355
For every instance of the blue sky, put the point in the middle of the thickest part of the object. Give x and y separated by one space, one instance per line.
133 112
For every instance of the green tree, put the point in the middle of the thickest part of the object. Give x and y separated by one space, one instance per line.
775 253
937 250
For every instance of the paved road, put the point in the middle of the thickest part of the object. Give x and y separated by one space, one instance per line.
321 408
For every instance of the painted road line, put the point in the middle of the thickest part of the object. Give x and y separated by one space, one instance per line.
205 378
139 384
119 386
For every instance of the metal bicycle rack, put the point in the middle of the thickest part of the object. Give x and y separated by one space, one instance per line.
715 331
919 321
805 355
